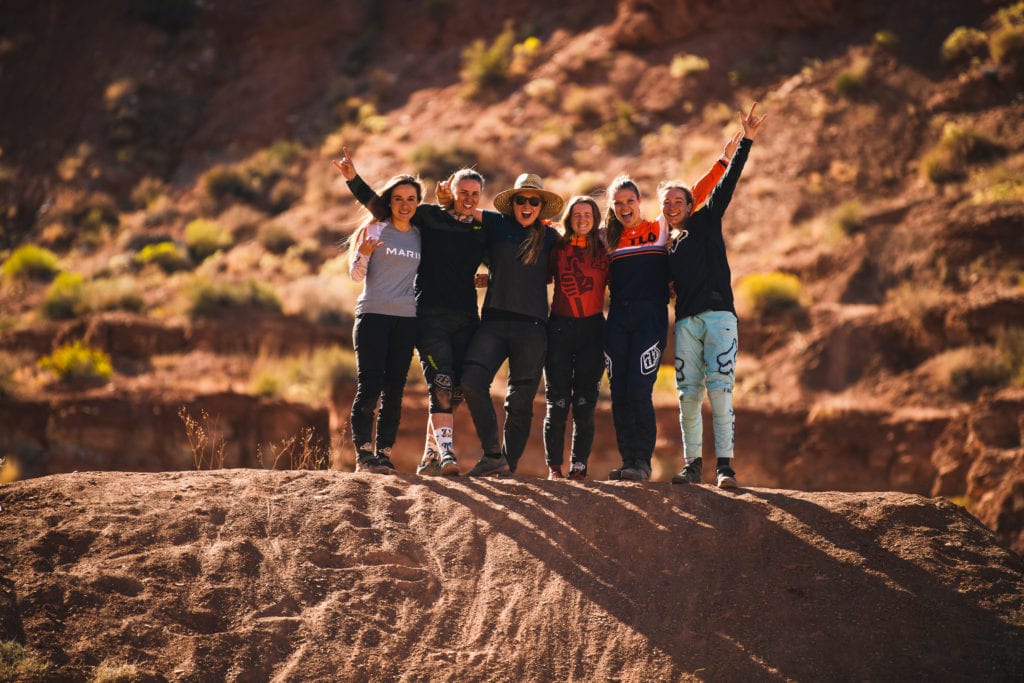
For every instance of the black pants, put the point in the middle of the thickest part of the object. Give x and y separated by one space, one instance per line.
524 343
634 339
383 346
442 339
572 374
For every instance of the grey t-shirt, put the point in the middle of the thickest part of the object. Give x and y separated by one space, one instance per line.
390 272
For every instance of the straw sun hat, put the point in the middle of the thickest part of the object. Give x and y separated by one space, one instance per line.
530 181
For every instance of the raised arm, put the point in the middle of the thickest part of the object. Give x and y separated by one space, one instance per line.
722 194
363 193
702 188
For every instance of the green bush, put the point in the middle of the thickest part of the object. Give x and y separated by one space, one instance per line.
947 160
886 38
205 238
848 217
270 179
76 362
208 298
1007 44
436 163
768 292
64 297
615 135
30 262
486 66
308 377
167 255
968 370
849 82
147 192
111 294
964 44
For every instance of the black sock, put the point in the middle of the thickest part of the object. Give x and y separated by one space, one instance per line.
725 462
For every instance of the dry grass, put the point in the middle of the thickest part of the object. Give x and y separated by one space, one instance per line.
205 439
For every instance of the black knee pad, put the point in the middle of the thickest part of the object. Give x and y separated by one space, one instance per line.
443 390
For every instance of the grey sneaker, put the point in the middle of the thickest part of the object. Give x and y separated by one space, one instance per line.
488 465
637 472
726 478
449 466
690 474
430 465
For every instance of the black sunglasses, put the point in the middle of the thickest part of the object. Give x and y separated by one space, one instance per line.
534 201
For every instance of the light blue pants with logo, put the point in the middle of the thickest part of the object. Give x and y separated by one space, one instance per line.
706 347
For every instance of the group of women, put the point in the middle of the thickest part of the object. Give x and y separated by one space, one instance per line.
419 262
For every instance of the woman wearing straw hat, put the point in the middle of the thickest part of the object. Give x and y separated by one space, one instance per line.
513 320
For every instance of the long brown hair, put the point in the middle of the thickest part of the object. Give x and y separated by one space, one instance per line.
530 248
614 225
379 209
594 245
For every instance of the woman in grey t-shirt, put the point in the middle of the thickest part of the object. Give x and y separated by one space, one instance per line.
385 255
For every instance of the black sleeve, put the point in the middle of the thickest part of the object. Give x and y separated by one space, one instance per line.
365 195
720 197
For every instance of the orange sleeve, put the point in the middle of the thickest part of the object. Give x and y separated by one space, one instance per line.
702 188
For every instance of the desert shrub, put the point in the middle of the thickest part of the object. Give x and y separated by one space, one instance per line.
307 450
205 237
1007 44
270 179
64 297
205 439
486 66
147 192
111 294
964 44
850 82
965 371
306 378
20 663
96 213
110 671
169 256
768 292
225 183
276 238
437 163
1010 347
683 65
848 217
543 90
616 134
586 104
76 362
209 298
31 262
947 160
886 38
9 365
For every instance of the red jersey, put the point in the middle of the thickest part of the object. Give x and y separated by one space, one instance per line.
580 279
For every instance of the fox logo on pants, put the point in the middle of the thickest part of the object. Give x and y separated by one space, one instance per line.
649 360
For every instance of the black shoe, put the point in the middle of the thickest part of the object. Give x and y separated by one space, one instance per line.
366 461
690 474
488 465
578 471
726 478
640 471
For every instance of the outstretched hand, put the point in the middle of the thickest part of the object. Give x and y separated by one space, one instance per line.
751 123
345 165
368 244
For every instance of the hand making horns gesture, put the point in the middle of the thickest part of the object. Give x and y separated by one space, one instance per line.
751 123
345 165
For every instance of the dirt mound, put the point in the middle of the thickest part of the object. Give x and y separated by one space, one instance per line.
250 575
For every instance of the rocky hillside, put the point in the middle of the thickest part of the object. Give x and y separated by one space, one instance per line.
173 156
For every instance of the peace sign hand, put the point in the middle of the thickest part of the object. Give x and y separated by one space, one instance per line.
345 165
